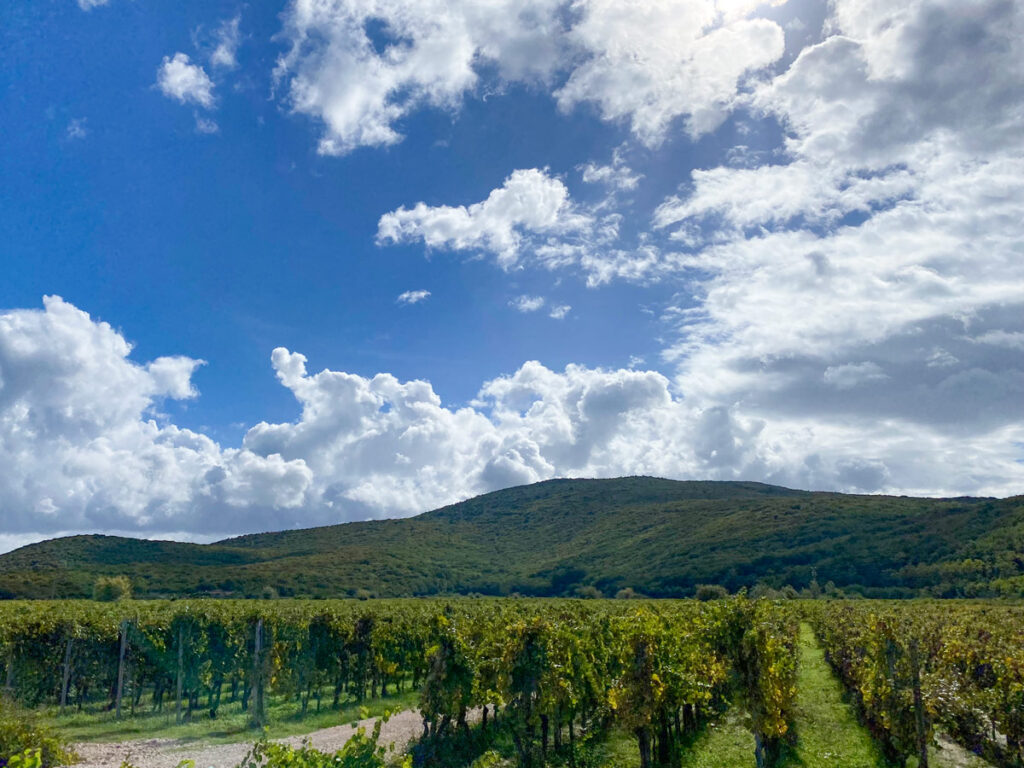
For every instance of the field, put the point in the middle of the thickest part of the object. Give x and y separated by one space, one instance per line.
521 682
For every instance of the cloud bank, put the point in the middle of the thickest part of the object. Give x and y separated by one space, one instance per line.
87 448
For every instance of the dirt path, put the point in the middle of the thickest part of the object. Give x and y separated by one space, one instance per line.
402 728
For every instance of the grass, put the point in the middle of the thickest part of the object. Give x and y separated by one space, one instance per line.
826 727
724 743
619 750
828 733
232 725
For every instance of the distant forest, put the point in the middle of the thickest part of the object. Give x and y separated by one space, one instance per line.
588 538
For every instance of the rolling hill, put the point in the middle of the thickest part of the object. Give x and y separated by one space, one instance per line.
659 537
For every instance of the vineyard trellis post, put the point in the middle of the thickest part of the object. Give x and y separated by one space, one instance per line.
9 682
258 716
181 673
120 667
919 723
66 676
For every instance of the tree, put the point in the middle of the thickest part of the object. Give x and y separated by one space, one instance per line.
707 592
111 588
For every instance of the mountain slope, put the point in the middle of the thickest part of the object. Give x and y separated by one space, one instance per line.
660 537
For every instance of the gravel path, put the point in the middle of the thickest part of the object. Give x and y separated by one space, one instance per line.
402 728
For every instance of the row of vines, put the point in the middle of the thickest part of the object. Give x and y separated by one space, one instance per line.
547 675
917 667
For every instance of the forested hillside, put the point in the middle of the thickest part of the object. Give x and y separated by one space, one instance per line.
565 537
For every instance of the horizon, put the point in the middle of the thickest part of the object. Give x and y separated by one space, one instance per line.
294 265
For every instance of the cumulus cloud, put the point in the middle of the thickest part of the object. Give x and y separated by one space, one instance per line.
560 312
86 450
529 203
532 220
652 62
526 303
88 5
616 175
855 289
228 39
361 67
413 297
180 79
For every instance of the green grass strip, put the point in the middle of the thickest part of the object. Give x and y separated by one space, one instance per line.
724 743
827 731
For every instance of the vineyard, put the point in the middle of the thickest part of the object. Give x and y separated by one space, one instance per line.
917 667
545 678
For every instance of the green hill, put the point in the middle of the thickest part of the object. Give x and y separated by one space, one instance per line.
660 537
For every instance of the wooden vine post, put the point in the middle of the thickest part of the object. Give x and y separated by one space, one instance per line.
66 677
258 717
120 666
920 727
9 683
181 673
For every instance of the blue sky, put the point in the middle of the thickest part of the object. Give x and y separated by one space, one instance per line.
773 241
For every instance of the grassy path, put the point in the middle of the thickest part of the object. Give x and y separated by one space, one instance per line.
827 730
828 734
725 743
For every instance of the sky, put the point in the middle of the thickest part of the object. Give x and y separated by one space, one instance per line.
276 265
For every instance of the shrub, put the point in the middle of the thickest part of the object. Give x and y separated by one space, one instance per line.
360 751
110 588
707 592
21 737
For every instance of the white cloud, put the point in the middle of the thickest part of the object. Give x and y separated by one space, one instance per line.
179 79
526 303
653 62
413 297
361 67
777 194
228 39
531 219
85 449
529 203
617 175
849 298
88 5
206 125
560 312
76 129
